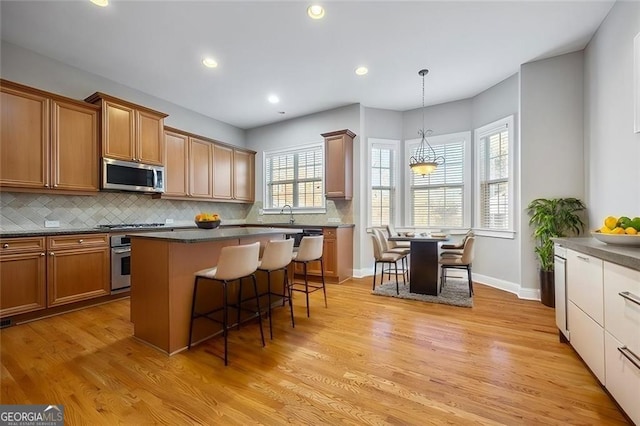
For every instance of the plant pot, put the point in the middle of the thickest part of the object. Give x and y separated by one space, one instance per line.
547 288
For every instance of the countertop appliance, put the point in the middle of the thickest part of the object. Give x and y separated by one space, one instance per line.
129 176
560 260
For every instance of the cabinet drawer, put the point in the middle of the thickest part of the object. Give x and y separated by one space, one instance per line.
622 304
329 233
623 378
77 241
21 245
587 338
584 284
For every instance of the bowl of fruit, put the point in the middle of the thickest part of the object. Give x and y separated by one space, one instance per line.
622 231
207 220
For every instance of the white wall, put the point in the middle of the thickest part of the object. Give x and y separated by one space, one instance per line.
551 142
34 70
612 148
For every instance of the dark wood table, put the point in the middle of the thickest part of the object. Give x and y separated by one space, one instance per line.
423 269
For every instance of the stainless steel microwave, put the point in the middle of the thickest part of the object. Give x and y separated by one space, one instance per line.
127 176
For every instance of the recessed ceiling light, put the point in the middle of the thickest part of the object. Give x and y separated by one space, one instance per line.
101 3
209 62
273 99
315 11
362 70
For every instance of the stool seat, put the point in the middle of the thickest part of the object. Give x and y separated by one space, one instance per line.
310 250
209 273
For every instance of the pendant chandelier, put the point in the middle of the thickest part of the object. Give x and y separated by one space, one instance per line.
424 160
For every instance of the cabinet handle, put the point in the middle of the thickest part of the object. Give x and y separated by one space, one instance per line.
630 297
41 254
586 259
46 185
51 253
81 241
628 354
55 185
5 245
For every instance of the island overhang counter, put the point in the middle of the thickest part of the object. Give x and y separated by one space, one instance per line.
162 276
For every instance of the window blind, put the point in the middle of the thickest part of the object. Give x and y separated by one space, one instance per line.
382 185
493 163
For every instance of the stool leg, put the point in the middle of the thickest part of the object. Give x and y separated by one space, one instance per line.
269 308
375 272
255 289
324 288
306 287
225 320
395 264
193 310
239 302
287 288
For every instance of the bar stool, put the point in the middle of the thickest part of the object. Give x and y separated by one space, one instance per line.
235 264
310 250
276 257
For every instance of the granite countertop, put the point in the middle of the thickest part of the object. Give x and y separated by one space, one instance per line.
46 232
622 255
303 225
204 235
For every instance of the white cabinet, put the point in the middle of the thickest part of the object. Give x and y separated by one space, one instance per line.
622 305
584 284
587 338
623 377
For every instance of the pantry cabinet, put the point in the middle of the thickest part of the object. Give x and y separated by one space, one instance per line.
199 168
338 147
48 143
130 132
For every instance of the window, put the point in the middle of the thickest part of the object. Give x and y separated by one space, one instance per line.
494 165
383 165
295 177
441 199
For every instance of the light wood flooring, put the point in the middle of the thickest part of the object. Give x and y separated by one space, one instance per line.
364 360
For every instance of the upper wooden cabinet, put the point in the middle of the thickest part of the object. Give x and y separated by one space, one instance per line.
338 147
47 142
199 168
130 132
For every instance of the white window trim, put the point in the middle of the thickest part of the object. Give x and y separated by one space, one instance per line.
395 145
440 140
479 133
295 210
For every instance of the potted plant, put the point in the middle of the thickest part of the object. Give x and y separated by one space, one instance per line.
552 218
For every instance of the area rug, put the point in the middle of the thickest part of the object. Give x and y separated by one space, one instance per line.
455 292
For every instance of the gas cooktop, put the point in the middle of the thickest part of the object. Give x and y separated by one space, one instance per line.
130 225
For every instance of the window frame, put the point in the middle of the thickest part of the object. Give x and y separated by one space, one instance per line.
466 178
393 144
479 133
284 151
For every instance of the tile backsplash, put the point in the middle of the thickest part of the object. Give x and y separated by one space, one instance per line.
25 211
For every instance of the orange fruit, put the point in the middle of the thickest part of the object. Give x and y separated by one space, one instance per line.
631 231
617 230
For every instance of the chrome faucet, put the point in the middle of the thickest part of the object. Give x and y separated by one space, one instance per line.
291 219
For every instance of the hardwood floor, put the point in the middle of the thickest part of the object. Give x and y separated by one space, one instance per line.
364 360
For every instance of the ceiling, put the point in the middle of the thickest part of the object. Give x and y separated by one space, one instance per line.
266 47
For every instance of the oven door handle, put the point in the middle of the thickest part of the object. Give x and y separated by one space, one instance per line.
121 251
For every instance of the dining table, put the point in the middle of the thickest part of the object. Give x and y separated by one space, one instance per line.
423 266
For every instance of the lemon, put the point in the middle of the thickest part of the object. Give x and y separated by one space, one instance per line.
631 230
611 222
617 230
605 230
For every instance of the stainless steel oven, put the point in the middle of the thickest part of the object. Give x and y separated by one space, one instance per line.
120 262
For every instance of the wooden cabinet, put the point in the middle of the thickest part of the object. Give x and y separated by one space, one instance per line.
338 148
48 143
130 132
77 268
198 168
43 272
22 275
337 256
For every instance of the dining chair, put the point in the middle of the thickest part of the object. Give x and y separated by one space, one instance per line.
390 247
277 257
382 257
234 264
310 250
460 262
391 230
455 250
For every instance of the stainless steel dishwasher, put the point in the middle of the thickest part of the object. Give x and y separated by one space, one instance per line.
560 260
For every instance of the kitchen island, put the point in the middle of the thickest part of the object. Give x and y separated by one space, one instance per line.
162 276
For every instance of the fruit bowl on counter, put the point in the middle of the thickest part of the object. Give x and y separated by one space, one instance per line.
617 239
207 220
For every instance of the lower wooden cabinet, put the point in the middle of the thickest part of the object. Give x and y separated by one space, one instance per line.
42 272
337 256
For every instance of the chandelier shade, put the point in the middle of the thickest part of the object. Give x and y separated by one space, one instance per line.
424 160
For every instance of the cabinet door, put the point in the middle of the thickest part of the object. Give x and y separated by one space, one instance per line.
118 132
77 274
24 139
339 165
330 257
150 147
200 168
587 338
623 376
22 283
585 284
177 167
622 304
222 172
243 176
74 147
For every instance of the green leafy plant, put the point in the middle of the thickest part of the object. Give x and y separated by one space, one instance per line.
553 218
